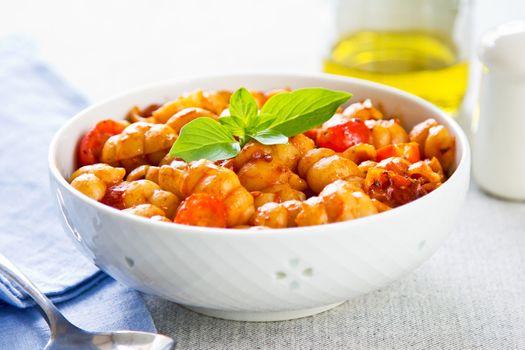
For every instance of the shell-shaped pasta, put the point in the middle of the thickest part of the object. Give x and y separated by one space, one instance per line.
313 212
214 101
136 114
277 215
360 153
186 115
321 167
423 169
169 178
158 138
303 144
386 132
132 163
260 174
363 110
271 215
252 151
366 165
261 166
435 165
435 141
137 140
167 159
344 201
419 133
148 211
93 180
108 174
165 200
160 218
145 191
90 185
147 172
380 206
167 110
130 194
328 169
339 201
277 193
286 154
441 144
312 157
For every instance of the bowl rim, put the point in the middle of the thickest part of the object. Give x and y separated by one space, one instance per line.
463 164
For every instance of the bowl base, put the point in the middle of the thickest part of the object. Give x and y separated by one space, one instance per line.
264 316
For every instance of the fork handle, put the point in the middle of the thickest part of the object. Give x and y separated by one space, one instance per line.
54 318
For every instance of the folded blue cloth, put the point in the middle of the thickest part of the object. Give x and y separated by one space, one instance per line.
34 102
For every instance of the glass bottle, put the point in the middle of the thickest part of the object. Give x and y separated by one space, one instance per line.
420 46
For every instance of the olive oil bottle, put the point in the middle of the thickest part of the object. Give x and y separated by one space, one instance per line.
418 61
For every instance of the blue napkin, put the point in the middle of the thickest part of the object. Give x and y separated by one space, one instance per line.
34 103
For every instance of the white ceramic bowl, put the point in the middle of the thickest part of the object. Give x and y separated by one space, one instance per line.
259 275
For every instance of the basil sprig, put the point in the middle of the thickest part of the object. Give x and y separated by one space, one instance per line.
282 116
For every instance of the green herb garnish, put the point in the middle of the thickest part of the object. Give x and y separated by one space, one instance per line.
282 116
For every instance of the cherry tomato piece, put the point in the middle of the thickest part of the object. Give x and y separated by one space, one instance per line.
114 196
341 136
202 209
408 151
312 134
91 144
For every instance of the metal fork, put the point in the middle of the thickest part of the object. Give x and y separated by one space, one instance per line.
67 336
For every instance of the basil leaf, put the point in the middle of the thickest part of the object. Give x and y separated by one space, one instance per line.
284 115
301 110
244 106
204 138
270 137
234 124
263 122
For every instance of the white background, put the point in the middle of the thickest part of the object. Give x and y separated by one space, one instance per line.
106 46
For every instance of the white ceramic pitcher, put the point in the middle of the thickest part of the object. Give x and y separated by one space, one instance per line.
498 139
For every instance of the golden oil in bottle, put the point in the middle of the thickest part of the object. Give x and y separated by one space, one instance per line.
423 63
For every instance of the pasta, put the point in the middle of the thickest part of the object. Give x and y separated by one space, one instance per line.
315 178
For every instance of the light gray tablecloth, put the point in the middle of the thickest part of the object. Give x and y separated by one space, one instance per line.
469 295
